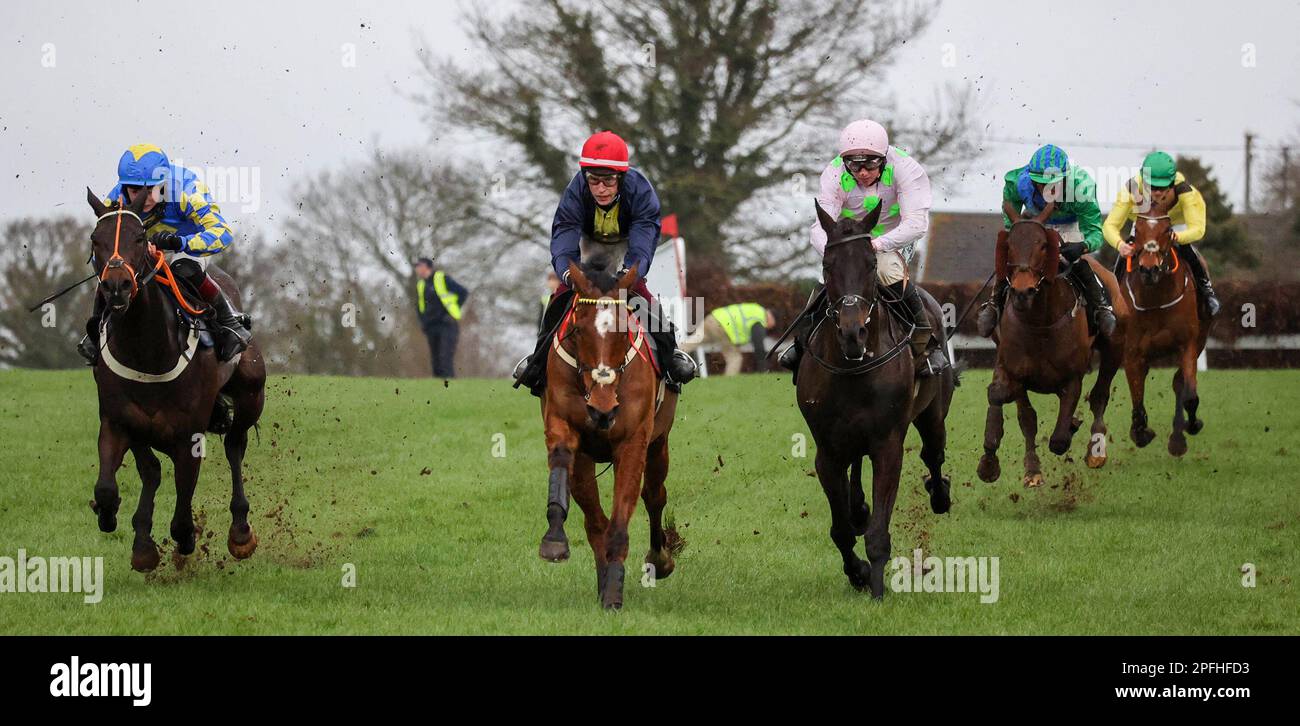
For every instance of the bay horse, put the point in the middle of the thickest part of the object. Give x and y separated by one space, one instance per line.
159 390
1044 346
858 393
1167 319
605 403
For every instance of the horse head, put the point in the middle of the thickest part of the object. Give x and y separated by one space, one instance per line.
120 250
604 333
849 268
1027 258
1153 241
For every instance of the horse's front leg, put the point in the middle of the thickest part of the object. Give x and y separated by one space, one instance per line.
1064 432
144 552
187 458
1098 400
113 443
831 472
629 467
1001 392
561 444
886 466
1184 398
1135 370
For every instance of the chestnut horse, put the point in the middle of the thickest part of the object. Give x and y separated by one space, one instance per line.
1044 346
605 403
858 392
1167 319
159 390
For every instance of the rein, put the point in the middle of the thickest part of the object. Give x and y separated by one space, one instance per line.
1164 267
869 366
601 375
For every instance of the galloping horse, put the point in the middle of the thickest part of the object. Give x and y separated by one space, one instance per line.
1044 346
604 403
858 392
1167 319
158 389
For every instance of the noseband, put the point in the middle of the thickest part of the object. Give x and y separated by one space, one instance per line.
1152 245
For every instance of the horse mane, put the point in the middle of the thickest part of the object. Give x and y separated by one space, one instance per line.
596 270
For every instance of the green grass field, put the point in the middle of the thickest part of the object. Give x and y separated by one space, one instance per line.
398 478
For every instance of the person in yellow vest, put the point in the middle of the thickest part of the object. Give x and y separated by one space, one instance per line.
439 300
1160 182
730 329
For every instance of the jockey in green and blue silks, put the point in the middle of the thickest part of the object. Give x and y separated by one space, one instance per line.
181 218
1049 177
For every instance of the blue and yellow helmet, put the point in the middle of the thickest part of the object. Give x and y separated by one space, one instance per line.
143 165
1048 164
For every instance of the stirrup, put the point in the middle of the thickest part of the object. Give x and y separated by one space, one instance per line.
520 367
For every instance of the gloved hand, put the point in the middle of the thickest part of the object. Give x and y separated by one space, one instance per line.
1073 250
167 241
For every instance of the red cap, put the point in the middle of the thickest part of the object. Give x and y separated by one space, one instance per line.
604 150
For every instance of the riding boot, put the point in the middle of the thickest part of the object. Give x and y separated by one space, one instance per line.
232 331
531 371
926 353
793 353
987 320
1102 319
678 367
89 345
1202 276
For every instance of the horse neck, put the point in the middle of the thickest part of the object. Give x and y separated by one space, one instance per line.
1048 308
146 334
1170 285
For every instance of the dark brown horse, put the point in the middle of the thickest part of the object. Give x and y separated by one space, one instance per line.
604 403
1167 319
1044 346
858 392
159 390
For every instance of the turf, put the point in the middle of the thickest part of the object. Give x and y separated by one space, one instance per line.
435 495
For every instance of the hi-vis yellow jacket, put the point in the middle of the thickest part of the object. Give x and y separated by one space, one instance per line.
1188 210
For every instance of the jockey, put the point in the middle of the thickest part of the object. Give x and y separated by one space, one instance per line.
181 218
606 198
868 173
1161 183
1049 176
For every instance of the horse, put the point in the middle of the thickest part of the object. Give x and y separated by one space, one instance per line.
604 403
158 390
857 390
1044 345
1167 319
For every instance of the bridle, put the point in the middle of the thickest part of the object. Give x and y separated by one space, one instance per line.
833 310
601 375
1153 245
1042 274
117 261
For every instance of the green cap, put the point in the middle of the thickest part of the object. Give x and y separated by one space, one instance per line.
1159 169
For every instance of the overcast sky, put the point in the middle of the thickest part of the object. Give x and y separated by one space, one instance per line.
263 85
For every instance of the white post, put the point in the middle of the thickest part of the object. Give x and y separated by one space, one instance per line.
1203 361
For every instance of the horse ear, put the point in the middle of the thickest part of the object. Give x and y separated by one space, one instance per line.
95 203
1052 260
629 278
577 280
824 219
1000 255
873 217
138 205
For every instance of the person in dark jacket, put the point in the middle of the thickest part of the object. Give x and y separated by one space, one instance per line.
606 199
438 301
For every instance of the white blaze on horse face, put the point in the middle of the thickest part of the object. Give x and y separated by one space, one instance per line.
605 317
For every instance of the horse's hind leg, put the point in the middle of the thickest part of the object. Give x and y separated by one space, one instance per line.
144 552
1065 426
934 439
242 540
113 444
1136 372
187 462
835 484
1184 399
1098 400
655 496
859 512
1028 418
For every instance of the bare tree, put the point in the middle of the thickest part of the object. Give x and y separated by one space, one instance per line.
39 257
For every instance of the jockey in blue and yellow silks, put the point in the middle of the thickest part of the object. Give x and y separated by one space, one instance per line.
181 218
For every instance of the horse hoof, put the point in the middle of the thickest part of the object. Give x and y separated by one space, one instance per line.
989 469
145 560
1177 445
554 550
1095 462
1059 446
1194 427
859 575
1142 437
107 518
611 591
1033 481
940 502
245 549
662 562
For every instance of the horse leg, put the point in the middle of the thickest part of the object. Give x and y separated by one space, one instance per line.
1136 373
1028 419
859 512
886 465
113 444
561 442
655 496
144 553
1001 392
1065 426
1098 400
934 439
629 468
242 541
587 494
1184 387
1191 401
831 473
187 463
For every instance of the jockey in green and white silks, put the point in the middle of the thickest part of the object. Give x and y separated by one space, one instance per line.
1049 176
870 173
